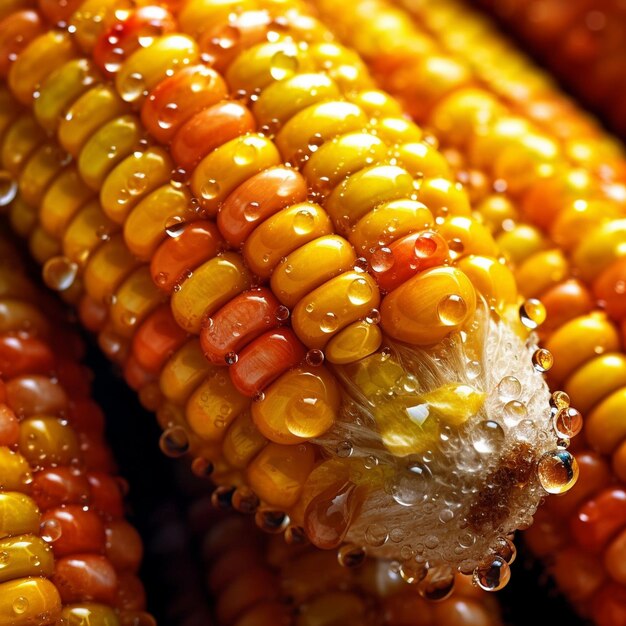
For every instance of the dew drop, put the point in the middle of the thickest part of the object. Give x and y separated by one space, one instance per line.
514 412
174 442
20 605
50 530
270 521
175 226
457 247
132 87
411 484
252 211
168 116
245 501
59 273
567 423
488 437
559 400
451 310
231 358
344 449
359 291
532 313
283 65
245 152
557 471
425 246
8 188
438 583
314 357
282 313
382 260
493 576
329 323
210 190
376 535
509 388
303 222
351 556
505 549
413 572
202 467
542 360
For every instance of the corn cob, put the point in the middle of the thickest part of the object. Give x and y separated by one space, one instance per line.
67 556
580 204
169 265
581 42
260 580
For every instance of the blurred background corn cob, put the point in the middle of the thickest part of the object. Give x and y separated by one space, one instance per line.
161 281
67 555
581 42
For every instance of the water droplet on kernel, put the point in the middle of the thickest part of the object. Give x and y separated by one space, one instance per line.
542 360
50 530
359 291
344 449
557 471
59 273
438 583
174 442
559 400
133 87
210 190
303 222
493 576
457 247
532 313
252 211
168 116
329 323
488 437
314 357
283 65
413 572
20 605
451 310
245 152
231 358
425 246
382 260
175 226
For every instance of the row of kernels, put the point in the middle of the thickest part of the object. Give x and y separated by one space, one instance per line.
67 522
584 43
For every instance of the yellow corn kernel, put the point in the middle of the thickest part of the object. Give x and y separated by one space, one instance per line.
210 286
26 555
355 342
21 140
29 602
578 341
242 441
132 180
429 306
279 102
92 110
331 307
107 267
302 404
318 123
87 230
40 58
491 279
214 405
148 66
278 473
16 474
183 372
541 271
605 427
89 614
64 197
40 170
19 515
109 145
309 266
61 89
594 380
283 233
